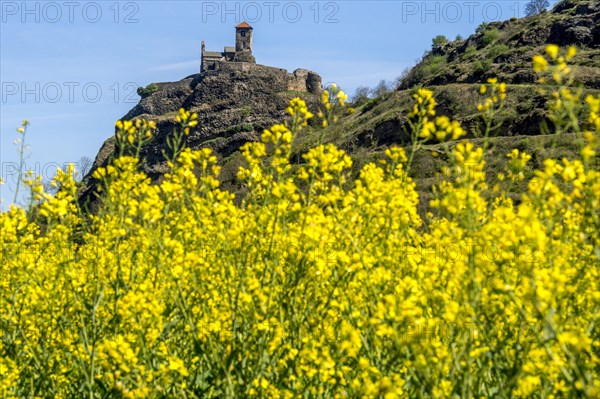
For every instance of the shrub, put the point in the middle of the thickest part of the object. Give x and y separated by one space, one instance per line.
146 91
480 66
244 127
429 66
434 64
470 50
482 27
369 105
497 50
401 80
489 36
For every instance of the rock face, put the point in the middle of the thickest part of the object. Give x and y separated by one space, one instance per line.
234 105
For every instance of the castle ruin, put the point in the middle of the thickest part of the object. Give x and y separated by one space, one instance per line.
239 59
242 52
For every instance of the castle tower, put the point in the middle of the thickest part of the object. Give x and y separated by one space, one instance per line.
243 37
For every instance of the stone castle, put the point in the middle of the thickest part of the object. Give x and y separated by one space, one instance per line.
239 59
242 52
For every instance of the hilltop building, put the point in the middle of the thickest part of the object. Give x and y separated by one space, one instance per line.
242 52
239 60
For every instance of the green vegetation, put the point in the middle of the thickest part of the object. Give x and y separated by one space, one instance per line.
429 67
482 66
148 90
438 41
498 50
489 36
243 127
470 50
519 39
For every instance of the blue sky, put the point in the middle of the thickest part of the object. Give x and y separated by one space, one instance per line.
71 67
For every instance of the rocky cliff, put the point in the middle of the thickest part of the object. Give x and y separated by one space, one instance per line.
233 104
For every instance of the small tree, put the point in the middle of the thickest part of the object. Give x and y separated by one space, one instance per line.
403 78
383 87
535 7
482 27
361 96
438 41
84 165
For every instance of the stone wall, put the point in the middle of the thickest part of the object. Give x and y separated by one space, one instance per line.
244 56
305 81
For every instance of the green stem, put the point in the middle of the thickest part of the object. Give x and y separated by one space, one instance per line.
21 164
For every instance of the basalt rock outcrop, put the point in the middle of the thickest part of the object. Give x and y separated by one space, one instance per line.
234 105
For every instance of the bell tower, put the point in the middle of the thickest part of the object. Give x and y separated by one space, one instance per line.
243 37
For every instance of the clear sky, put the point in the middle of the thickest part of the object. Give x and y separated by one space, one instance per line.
72 67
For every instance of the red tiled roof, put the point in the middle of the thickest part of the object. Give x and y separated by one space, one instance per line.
243 25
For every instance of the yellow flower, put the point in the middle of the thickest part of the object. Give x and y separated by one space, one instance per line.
587 152
539 63
427 130
552 51
571 52
342 97
502 90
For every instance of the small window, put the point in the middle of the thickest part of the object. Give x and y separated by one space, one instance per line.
243 33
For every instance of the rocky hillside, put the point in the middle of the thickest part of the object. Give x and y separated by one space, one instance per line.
504 49
234 105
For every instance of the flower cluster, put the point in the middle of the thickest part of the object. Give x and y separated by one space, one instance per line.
177 142
565 106
441 129
422 120
424 104
517 164
497 92
187 120
333 100
315 284
559 69
132 135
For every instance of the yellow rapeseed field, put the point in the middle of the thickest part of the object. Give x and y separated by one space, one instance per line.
317 285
